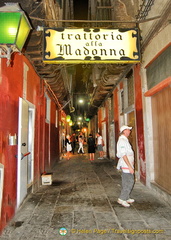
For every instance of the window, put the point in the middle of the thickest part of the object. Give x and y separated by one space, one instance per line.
130 85
48 104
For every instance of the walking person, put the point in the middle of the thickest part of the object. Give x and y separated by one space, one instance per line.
91 147
100 144
126 164
68 146
80 142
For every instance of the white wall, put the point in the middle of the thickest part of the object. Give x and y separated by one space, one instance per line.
157 44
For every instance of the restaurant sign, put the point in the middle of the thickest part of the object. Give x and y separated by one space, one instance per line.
79 45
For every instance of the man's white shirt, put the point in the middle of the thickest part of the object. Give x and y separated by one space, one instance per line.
124 148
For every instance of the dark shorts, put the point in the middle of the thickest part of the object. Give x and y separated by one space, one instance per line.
91 149
99 148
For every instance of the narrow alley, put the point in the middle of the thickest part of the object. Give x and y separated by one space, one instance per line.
82 203
71 70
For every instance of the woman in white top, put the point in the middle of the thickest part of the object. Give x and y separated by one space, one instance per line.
100 145
68 146
80 142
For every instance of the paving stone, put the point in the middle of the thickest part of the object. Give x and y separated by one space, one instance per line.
83 196
84 220
126 213
157 223
60 220
165 235
63 209
65 200
166 215
106 220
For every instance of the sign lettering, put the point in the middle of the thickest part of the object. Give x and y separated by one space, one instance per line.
64 45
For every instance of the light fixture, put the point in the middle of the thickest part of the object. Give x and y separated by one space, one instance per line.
84 129
68 118
80 101
70 123
14 30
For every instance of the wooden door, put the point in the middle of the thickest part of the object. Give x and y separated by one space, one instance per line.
161 113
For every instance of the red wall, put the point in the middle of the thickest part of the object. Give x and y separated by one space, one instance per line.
116 113
100 120
139 123
107 127
11 88
54 140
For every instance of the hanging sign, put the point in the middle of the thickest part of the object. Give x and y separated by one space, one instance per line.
78 45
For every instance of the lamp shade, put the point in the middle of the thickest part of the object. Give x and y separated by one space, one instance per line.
14 27
68 117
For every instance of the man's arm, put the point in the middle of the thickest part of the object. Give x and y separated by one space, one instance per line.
131 169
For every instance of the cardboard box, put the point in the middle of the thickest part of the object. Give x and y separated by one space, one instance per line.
47 179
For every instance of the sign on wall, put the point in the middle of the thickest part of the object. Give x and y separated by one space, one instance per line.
68 45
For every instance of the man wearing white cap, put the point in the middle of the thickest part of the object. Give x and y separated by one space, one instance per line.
126 164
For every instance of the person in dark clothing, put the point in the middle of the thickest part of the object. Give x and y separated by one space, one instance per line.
91 147
73 142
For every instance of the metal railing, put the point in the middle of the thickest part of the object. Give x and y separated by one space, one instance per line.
144 9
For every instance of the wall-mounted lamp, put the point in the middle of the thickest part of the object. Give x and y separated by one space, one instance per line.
14 30
68 118
70 123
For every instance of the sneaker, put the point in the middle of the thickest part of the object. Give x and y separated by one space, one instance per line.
130 200
123 203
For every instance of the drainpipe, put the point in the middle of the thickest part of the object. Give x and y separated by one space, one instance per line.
39 130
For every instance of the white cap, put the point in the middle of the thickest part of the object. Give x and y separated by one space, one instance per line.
125 127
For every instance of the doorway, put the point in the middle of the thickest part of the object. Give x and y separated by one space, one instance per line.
31 127
25 156
104 137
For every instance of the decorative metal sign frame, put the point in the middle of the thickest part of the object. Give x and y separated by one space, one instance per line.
79 45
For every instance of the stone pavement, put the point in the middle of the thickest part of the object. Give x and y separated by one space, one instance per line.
83 201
